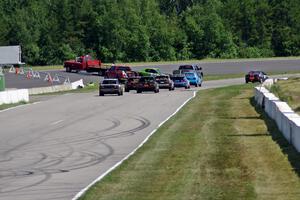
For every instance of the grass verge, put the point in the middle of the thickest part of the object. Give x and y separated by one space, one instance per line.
217 147
6 106
288 91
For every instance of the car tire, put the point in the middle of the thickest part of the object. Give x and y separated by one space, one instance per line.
126 90
170 88
101 94
196 85
139 91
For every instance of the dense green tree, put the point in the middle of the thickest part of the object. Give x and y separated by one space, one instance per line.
145 30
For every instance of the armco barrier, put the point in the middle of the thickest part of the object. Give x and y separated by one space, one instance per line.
14 96
287 120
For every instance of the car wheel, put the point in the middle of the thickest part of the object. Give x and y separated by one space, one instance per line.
139 91
101 94
196 85
200 84
186 87
68 69
126 90
100 73
170 88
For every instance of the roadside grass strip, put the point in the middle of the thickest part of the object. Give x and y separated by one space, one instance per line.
219 146
4 107
288 91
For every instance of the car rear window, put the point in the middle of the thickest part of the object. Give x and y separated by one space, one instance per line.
164 78
186 67
192 75
178 78
109 82
123 68
147 79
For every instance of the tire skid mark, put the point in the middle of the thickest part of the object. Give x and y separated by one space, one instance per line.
42 167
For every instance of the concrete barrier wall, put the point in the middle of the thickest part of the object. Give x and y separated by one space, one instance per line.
50 89
295 137
287 120
57 88
14 96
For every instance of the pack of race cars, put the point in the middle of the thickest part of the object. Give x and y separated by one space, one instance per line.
150 79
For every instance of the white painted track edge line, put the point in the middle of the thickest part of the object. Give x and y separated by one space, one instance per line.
79 194
20 106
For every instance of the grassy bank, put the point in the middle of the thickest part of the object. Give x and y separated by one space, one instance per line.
6 106
288 91
217 147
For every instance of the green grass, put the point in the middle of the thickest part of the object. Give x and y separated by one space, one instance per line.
6 106
288 91
217 147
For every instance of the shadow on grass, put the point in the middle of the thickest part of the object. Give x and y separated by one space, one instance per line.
277 136
250 135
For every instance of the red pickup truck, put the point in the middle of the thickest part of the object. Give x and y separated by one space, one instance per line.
85 63
120 72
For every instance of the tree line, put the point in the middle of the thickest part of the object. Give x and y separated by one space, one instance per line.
52 31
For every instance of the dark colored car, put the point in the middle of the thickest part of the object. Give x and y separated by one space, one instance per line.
181 81
256 76
110 86
132 84
188 68
147 83
165 82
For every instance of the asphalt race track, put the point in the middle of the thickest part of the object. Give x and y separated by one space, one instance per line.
54 148
228 67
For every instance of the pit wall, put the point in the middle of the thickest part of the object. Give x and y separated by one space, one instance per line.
14 96
288 122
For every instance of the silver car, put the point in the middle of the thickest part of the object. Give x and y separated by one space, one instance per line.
110 86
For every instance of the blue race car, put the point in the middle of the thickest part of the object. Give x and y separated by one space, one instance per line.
193 78
181 81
